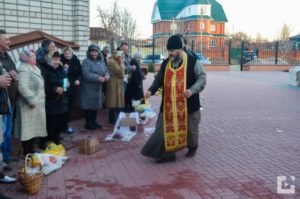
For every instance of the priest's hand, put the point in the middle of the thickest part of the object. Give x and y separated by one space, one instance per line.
187 93
147 94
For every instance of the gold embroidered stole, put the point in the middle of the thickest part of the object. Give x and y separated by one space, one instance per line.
175 107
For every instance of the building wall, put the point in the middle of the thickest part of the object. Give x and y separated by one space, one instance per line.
189 26
81 25
192 26
65 19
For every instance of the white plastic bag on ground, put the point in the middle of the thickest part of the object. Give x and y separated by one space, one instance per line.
124 132
149 114
51 162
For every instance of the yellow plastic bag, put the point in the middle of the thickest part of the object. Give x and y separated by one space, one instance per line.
55 149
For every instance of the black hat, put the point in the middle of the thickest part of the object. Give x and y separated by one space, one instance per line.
94 47
174 42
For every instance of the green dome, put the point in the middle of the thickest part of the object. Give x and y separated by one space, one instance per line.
169 9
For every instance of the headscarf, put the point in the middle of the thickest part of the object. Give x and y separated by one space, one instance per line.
94 47
106 50
119 54
137 55
25 57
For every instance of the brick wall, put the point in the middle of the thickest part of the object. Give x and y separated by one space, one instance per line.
217 67
65 19
192 26
266 67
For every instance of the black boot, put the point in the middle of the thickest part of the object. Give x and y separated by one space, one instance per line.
57 138
89 120
43 143
94 120
166 160
25 145
191 152
31 146
112 116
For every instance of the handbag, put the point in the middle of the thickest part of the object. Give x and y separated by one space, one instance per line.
5 106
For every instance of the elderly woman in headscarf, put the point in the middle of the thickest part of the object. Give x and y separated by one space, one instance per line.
94 75
31 116
134 89
114 88
56 85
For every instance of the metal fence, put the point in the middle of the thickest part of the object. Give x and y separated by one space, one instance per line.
229 52
273 53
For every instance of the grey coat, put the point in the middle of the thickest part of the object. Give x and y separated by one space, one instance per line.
91 88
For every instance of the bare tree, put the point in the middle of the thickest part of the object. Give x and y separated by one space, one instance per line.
108 21
284 32
118 23
260 39
283 38
127 28
240 36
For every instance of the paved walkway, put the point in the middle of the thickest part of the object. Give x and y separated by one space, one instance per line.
249 135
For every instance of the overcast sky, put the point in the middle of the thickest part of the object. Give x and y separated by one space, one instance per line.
252 16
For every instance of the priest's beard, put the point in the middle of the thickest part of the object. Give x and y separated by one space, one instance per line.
175 58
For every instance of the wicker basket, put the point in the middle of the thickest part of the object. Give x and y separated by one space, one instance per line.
31 182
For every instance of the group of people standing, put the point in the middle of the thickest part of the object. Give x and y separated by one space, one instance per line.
109 81
38 93
44 87
42 90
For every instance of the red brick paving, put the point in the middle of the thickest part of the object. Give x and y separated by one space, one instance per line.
249 134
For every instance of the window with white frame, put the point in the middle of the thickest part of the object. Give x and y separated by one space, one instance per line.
202 26
212 43
213 27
